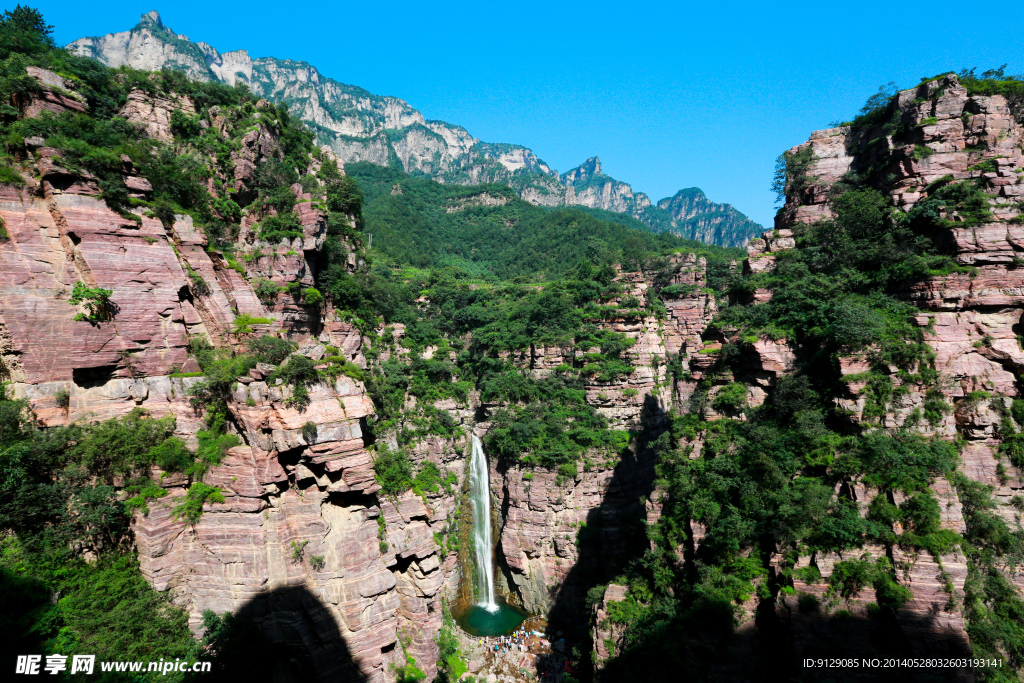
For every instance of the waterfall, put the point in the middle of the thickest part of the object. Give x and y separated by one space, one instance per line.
480 493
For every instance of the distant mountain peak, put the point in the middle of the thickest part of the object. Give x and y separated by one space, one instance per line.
151 18
588 170
687 193
592 166
360 126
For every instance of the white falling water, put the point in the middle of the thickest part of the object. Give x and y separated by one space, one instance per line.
480 494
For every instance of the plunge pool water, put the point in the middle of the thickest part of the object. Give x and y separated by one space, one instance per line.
478 620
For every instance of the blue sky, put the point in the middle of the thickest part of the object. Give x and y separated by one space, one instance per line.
669 95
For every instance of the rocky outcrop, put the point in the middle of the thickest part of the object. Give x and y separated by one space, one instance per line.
153 112
939 133
52 94
607 636
359 126
303 542
587 185
826 160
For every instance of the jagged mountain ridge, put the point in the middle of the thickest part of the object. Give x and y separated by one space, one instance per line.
360 126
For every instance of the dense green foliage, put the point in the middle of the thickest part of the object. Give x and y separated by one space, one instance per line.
59 506
394 472
545 423
95 300
779 482
554 428
489 232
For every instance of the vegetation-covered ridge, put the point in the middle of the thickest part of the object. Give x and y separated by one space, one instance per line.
487 232
815 510
355 124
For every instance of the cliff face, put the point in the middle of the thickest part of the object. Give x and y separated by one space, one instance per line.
359 126
938 133
283 485
559 535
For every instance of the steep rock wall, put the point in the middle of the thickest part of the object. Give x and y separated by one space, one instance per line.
972 324
279 487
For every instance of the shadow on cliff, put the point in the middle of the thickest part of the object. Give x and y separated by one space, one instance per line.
701 641
613 537
285 635
702 644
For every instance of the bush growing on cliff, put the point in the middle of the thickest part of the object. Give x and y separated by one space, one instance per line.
191 508
221 371
392 470
244 323
284 226
309 432
184 126
268 349
265 290
832 290
118 448
965 200
299 370
451 663
214 443
902 461
171 455
731 398
312 297
433 380
791 173
96 301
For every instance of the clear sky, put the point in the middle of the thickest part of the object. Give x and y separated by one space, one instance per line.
669 95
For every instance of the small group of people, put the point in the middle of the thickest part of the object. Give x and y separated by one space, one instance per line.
516 642
552 664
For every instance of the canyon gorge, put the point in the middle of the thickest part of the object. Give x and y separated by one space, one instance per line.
677 460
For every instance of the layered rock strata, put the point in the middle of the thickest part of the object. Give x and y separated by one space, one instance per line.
378 574
943 134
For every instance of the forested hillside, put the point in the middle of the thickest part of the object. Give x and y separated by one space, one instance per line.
487 231
359 126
